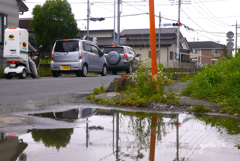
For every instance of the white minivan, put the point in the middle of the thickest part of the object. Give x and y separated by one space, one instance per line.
77 56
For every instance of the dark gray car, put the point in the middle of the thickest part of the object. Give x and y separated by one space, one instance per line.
77 56
121 58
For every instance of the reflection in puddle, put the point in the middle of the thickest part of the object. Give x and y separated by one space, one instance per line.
11 147
69 115
117 135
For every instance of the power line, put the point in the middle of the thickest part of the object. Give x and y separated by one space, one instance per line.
213 15
121 16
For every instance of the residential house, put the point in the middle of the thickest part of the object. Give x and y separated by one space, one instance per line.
139 40
207 52
9 17
25 23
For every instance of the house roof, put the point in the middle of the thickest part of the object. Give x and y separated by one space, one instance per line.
108 41
129 37
21 6
147 31
83 33
205 45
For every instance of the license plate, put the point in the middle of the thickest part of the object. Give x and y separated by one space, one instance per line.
12 65
65 67
13 53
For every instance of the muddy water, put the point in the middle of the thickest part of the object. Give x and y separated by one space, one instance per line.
108 135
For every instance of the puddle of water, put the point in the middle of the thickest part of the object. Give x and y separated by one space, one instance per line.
110 135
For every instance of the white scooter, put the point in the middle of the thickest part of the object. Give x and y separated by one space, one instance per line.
16 52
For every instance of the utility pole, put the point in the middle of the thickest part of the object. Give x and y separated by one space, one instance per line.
88 12
178 34
237 26
118 34
114 24
236 40
159 36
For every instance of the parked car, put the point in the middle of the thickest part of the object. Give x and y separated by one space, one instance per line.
121 58
77 56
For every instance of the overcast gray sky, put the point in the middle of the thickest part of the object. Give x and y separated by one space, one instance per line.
210 19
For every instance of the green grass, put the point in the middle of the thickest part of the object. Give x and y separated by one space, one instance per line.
44 72
2 73
45 61
219 83
200 108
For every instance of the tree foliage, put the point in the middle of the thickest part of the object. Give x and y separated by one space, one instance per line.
52 21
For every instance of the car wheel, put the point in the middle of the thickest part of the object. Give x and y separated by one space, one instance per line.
55 74
84 70
23 74
8 76
104 70
114 72
129 70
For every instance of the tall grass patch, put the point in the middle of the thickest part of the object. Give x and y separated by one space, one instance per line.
219 83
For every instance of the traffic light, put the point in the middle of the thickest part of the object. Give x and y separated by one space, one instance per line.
101 19
177 24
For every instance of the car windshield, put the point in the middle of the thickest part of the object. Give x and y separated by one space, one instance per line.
66 46
117 49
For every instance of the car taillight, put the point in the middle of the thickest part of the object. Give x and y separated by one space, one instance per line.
125 55
80 55
52 55
12 135
13 62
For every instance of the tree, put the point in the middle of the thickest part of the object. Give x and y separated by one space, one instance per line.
52 21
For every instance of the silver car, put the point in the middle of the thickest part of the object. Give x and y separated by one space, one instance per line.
77 56
121 58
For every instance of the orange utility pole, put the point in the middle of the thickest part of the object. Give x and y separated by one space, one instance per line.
154 73
153 37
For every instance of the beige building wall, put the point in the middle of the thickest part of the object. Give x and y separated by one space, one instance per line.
100 34
164 55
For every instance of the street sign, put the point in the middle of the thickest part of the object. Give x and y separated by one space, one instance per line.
230 34
230 39
230 44
167 24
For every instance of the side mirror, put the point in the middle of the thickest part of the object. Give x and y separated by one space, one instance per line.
138 55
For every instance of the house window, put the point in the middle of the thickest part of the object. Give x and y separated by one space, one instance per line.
214 51
149 54
214 61
3 26
195 51
171 55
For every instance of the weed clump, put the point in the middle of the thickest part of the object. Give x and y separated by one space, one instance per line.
200 108
143 87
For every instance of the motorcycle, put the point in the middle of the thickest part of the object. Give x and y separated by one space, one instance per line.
16 41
